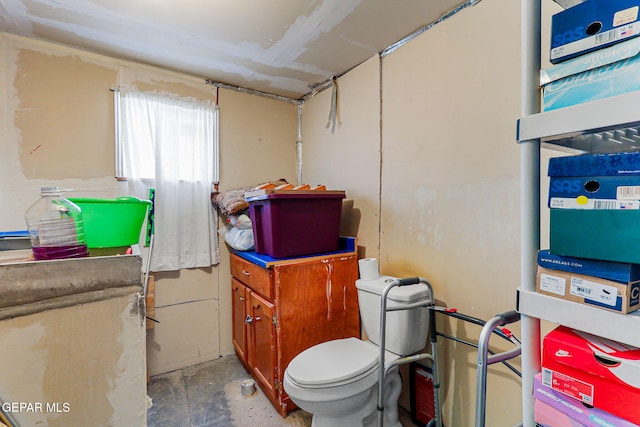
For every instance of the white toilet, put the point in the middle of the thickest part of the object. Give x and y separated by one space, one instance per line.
337 381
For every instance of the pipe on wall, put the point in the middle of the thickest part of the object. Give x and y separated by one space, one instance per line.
421 30
299 144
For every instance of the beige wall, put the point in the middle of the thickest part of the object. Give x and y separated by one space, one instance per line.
57 128
450 183
257 140
348 158
438 168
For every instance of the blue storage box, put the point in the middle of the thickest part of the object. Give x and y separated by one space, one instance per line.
601 74
622 272
595 181
625 163
592 25
594 192
602 232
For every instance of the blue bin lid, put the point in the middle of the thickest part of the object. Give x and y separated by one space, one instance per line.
16 233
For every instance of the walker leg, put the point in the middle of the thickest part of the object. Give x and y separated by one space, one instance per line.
484 361
437 421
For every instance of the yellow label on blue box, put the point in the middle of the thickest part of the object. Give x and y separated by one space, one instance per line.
583 202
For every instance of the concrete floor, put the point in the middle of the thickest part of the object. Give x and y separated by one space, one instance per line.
209 395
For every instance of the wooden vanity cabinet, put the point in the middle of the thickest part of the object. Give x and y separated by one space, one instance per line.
286 307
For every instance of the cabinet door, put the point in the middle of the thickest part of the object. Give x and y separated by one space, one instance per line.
262 341
238 308
317 302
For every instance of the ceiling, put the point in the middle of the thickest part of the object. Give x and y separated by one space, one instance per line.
280 47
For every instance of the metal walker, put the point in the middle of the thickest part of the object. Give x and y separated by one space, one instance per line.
485 356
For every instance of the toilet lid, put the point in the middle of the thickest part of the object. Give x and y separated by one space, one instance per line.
333 361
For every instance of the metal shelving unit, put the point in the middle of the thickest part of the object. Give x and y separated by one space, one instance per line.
615 326
607 125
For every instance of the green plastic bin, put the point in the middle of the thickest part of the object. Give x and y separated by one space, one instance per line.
110 223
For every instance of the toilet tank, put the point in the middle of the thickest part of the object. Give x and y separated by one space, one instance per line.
406 330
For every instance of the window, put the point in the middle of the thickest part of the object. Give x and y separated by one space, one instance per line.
171 144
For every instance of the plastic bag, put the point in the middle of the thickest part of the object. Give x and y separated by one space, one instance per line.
239 234
241 221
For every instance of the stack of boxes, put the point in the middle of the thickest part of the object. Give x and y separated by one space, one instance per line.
594 201
596 52
583 374
593 259
594 231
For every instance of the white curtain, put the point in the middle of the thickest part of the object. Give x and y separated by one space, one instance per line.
170 143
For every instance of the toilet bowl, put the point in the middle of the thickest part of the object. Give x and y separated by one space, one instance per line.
337 381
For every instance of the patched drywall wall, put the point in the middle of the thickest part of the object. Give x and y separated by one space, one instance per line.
79 126
348 158
451 184
57 128
188 312
79 365
257 144
257 139
441 178
57 124
285 47
58 120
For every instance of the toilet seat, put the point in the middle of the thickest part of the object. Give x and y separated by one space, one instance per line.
334 363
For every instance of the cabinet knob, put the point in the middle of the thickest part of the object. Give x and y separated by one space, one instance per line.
246 273
241 298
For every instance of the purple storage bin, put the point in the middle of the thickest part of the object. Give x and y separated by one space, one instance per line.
294 223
